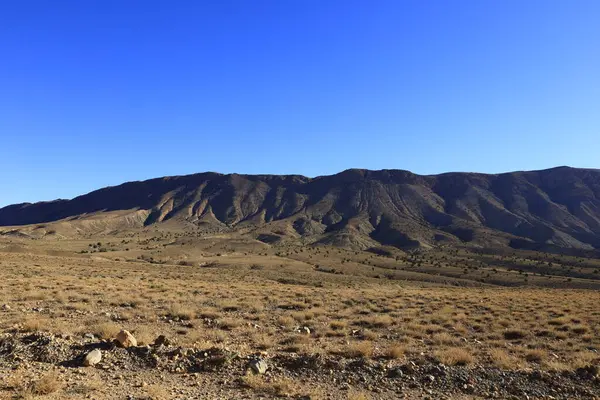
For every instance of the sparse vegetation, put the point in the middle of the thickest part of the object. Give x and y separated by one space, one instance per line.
455 356
292 311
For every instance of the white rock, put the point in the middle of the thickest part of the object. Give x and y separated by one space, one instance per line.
92 358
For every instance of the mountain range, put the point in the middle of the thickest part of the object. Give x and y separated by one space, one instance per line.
558 207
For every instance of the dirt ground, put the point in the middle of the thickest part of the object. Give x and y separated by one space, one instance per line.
327 323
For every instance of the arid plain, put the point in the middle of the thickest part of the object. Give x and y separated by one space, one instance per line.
327 322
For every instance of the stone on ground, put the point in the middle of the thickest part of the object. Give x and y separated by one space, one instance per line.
92 358
126 339
258 366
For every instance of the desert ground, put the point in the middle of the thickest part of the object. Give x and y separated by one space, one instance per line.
225 317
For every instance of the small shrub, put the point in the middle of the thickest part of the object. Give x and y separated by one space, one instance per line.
360 349
182 312
296 340
502 359
395 351
285 321
229 323
209 314
514 334
535 356
356 395
369 335
229 306
47 384
156 392
443 338
283 387
558 321
455 356
580 329
144 335
34 324
380 321
106 330
338 325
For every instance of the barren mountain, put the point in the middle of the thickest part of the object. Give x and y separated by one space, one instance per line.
355 208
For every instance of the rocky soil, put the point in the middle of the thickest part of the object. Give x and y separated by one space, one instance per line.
124 370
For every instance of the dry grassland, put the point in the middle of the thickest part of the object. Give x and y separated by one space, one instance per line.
257 303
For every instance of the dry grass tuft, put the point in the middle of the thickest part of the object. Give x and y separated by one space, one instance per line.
455 356
106 330
338 325
157 392
444 338
558 321
580 329
502 359
209 313
358 395
34 324
379 321
369 335
514 334
144 335
285 321
47 384
536 355
229 324
395 351
281 387
182 312
86 388
363 349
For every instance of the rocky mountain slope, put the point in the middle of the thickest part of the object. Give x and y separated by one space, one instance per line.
355 208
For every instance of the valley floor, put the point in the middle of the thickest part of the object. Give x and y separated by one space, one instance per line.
323 332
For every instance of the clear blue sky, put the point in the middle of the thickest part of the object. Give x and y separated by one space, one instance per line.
95 93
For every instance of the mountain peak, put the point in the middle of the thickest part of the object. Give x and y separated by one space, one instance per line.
553 207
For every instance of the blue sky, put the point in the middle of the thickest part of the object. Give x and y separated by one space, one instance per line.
95 93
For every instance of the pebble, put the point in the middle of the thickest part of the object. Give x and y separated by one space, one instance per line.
395 373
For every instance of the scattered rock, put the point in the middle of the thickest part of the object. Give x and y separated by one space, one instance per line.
302 329
126 339
438 370
409 368
537 375
588 372
395 373
162 340
6 307
258 366
92 358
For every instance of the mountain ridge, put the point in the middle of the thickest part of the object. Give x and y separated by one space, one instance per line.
357 207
